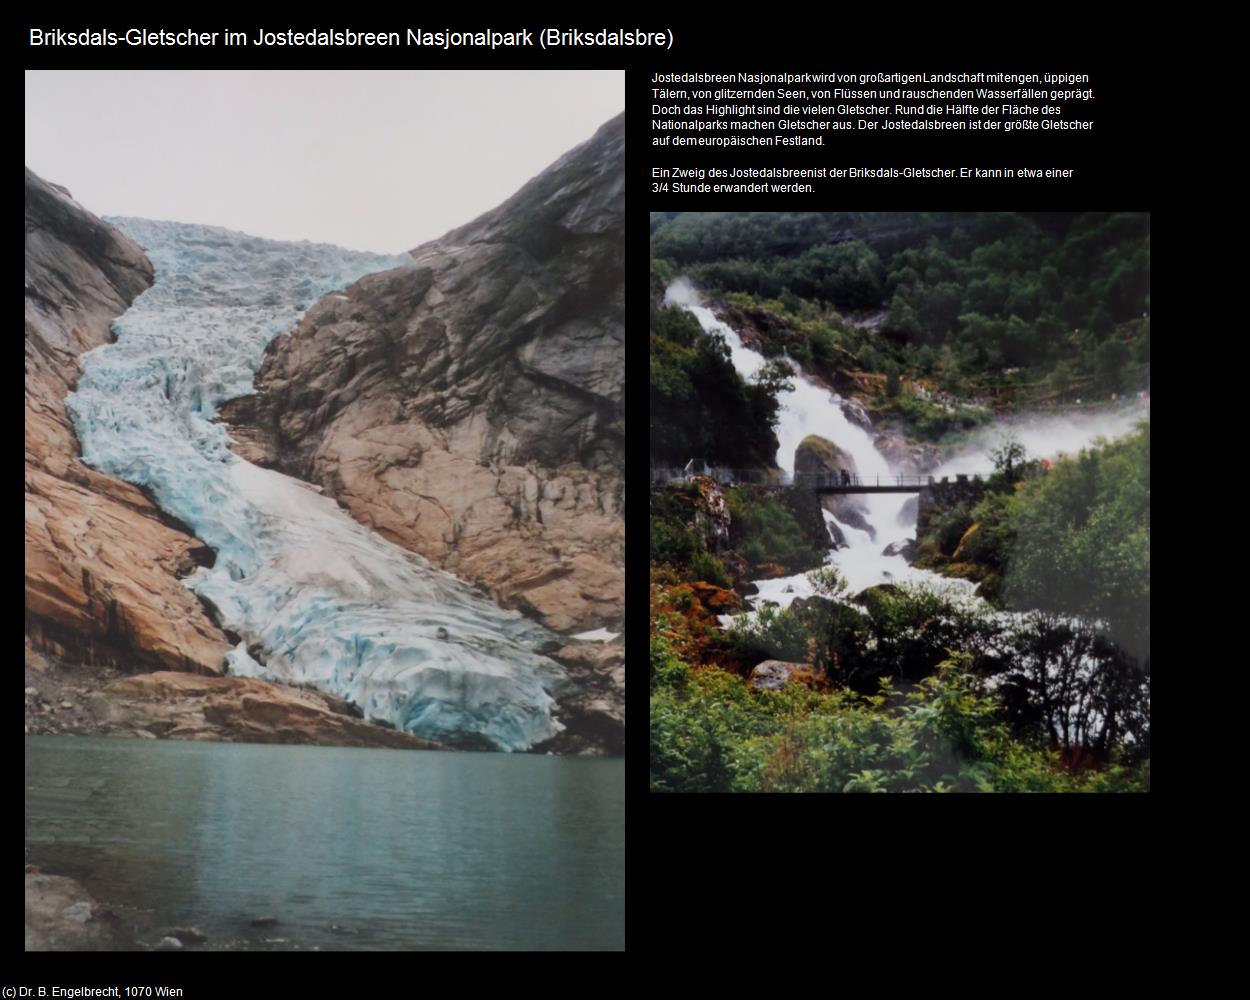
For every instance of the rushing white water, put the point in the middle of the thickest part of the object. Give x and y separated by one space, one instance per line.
1045 436
813 409
326 600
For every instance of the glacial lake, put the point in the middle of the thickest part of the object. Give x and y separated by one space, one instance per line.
349 849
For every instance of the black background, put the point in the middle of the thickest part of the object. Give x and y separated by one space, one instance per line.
775 876
900 875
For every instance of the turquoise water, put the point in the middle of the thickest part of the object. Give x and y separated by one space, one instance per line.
349 849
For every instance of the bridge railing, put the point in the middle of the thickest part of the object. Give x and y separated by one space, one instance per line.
815 481
724 476
776 477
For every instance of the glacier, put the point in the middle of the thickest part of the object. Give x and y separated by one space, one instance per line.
315 597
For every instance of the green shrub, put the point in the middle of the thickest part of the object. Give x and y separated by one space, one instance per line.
992 543
765 531
926 420
667 670
672 544
707 568
949 528
1081 540
772 633
712 732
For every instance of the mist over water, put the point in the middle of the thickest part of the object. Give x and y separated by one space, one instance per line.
1045 436
813 409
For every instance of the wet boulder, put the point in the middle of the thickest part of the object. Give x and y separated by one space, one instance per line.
818 456
905 548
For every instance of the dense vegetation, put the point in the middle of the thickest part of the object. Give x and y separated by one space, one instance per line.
700 406
763 532
985 307
968 723
1073 539
909 688
937 322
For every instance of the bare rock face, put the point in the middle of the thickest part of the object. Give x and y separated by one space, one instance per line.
470 408
183 706
102 563
711 519
854 411
593 705
905 547
907 456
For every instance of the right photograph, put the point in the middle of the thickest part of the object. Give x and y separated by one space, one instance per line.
900 502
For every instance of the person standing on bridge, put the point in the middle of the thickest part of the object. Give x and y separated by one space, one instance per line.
846 478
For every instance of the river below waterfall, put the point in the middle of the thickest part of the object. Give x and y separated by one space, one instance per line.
813 409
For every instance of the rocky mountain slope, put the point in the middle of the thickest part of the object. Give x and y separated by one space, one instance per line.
102 563
471 409
104 595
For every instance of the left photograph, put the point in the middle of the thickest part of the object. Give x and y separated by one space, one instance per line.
324 510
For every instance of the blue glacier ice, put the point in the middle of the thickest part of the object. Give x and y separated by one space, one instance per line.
329 602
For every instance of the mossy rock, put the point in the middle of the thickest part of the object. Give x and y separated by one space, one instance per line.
818 456
928 555
878 590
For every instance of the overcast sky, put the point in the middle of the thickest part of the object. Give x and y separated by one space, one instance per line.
370 160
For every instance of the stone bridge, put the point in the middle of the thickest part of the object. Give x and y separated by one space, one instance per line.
936 493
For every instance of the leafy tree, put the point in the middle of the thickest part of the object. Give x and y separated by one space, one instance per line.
1062 377
1113 356
710 732
764 530
1082 541
697 396
1071 686
773 633
1008 458
827 582
1054 273
950 527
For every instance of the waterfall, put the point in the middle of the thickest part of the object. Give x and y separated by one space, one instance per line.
813 409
